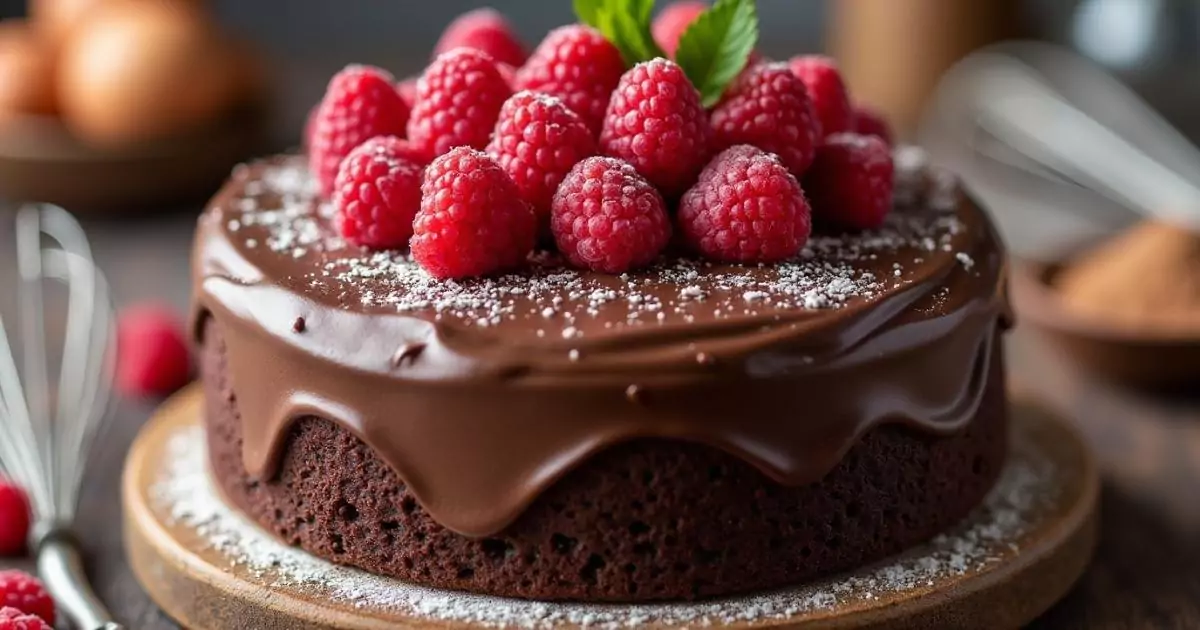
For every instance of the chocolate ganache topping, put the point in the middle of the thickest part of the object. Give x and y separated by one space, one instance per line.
481 393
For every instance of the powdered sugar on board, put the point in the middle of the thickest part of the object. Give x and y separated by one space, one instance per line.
185 497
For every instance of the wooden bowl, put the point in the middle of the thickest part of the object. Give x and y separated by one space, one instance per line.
40 160
1140 357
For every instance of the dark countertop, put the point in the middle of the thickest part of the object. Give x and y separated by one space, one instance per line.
1146 572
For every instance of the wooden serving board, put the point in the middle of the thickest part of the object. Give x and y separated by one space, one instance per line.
211 569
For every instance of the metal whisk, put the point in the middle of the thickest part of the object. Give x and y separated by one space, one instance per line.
47 428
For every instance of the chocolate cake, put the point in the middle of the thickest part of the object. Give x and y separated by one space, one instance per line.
688 430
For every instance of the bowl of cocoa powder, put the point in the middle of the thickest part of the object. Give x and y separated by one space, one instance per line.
1127 308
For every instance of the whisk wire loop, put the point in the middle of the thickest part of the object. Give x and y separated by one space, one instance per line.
47 427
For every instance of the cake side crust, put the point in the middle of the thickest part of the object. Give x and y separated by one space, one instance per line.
645 520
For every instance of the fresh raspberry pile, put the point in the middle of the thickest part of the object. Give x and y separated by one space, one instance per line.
605 145
23 592
13 619
14 518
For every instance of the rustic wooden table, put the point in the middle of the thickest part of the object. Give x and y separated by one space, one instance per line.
1146 573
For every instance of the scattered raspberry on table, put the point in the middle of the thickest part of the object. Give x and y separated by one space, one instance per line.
14 518
152 354
26 593
747 207
608 218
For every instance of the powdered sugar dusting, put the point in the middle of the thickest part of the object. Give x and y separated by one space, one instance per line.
185 497
281 210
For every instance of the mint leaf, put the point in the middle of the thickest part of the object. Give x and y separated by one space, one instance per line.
625 23
715 48
633 39
642 11
588 11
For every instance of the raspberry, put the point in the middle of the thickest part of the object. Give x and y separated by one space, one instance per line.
14 519
152 355
13 619
25 593
377 193
656 123
769 108
361 103
608 218
508 73
537 141
850 183
484 30
827 91
869 122
472 221
458 100
672 21
747 207
407 89
578 65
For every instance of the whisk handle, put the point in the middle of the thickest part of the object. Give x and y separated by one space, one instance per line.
61 568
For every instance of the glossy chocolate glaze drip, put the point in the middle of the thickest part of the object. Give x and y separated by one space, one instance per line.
480 408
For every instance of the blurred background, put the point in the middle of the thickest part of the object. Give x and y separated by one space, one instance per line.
1079 141
1152 44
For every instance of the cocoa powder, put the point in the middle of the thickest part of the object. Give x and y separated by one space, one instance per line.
1145 278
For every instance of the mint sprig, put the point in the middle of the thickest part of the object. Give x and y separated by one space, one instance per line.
715 48
588 11
712 51
625 23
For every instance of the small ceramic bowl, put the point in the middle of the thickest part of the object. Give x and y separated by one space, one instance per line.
40 160
1145 358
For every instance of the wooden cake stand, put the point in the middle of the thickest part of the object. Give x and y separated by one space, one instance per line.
210 568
